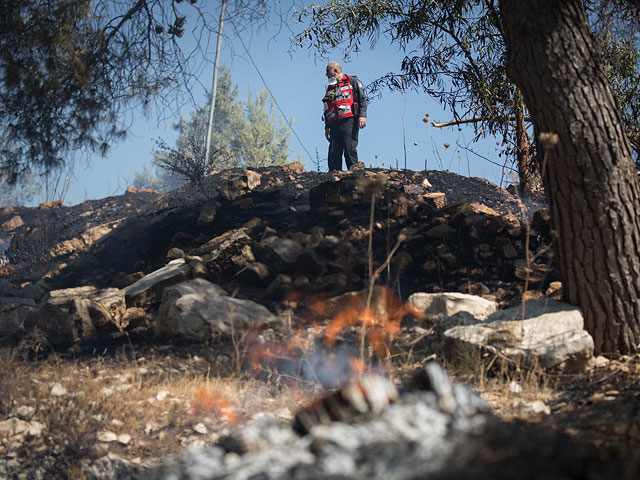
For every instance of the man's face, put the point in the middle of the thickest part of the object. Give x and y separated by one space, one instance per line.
332 71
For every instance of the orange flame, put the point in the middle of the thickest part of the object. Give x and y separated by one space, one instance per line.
207 401
381 319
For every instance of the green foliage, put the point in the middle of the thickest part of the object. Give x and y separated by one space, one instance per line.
617 35
263 143
67 71
244 134
453 50
71 69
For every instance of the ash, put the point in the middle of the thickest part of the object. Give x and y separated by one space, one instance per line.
434 429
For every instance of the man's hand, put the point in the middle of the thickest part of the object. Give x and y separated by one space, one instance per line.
363 122
326 135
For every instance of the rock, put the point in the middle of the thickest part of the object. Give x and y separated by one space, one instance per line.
554 291
239 184
17 430
254 274
148 290
13 315
7 289
285 250
79 314
340 194
198 268
549 334
134 317
216 246
12 224
227 254
294 167
51 204
93 234
123 280
24 411
57 390
435 200
35 291
438 307
196 308
440 231
208 212
106 436
536 407
532 271
175 253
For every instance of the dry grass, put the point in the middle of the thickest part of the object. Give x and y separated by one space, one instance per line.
146 407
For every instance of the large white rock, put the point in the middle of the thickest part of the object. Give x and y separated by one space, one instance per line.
196 308
438 307
545 332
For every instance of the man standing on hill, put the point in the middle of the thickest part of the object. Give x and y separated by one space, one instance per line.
345 113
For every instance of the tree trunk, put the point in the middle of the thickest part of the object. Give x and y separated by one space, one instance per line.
522 146
589 175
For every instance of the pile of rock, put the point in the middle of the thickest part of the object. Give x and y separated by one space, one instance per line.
275 235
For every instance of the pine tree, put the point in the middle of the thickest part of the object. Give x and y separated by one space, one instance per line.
244 134
262 143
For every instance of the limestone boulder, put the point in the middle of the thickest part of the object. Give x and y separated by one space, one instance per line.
148 290
545 332
439 307
81 314
195 309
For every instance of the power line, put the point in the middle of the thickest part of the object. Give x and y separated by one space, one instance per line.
289 124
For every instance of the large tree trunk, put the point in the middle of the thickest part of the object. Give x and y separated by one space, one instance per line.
589 175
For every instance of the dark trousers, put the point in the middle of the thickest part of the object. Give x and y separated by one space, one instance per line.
343 135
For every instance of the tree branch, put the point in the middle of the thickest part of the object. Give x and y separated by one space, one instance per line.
462 121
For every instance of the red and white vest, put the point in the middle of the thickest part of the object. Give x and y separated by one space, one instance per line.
339 101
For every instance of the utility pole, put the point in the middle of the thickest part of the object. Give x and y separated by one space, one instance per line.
215 81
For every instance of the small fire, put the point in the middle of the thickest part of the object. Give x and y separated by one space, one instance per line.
206 401
312 353
380 319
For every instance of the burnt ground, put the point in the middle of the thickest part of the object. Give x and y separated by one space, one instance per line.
596 413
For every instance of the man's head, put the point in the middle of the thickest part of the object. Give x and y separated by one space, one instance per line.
334 70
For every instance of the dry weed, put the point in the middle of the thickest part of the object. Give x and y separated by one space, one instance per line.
143 407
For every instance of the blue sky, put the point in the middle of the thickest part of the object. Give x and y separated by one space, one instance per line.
297 81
